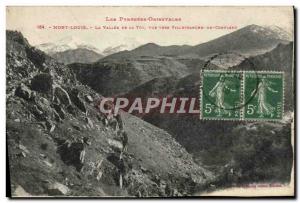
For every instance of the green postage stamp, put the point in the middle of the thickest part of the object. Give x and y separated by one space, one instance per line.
241 95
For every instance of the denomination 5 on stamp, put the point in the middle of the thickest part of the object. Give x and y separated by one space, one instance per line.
221 95
264 95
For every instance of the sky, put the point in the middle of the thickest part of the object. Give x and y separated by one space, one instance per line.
26 20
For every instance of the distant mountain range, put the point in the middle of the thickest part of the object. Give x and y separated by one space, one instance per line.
74 50
250 40
67 43
71 50
123 71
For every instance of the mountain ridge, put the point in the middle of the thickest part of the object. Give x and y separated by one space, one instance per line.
248 40
79 55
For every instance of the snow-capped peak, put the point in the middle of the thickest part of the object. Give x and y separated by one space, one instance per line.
272 31
281 32
64 44
111 50
71 41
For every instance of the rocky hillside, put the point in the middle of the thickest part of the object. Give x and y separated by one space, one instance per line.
58 145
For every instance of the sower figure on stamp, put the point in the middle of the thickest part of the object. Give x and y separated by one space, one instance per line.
218 91
264 108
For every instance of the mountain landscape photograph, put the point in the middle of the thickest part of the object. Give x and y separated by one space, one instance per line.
59 144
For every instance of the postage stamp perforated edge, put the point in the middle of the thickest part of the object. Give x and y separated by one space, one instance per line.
242 115
201 96
283 98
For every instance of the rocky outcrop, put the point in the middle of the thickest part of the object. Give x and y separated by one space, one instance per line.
42 83
24 92
58 189
77 101
61 96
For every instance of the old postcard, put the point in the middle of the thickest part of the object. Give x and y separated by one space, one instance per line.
142 102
